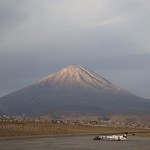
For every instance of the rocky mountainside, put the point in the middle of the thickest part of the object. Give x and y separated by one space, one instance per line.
77 76
74 89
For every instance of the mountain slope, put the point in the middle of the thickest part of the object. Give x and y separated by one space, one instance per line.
1 113
72 90
77 76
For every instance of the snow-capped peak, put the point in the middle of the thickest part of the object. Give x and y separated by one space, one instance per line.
75 75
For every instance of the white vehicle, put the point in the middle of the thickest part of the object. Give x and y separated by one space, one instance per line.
116 136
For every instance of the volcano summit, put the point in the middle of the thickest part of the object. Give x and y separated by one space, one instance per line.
74 89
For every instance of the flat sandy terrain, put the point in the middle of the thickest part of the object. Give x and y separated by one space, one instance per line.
73 143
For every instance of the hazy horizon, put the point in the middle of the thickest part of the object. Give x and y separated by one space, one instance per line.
111 38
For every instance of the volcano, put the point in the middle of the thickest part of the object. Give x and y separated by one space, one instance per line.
74 89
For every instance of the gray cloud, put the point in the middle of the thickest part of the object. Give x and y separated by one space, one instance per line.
11 15
40 37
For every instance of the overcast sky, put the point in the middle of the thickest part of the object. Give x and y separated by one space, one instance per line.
111 37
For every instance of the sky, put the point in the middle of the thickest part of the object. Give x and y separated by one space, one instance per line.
40 37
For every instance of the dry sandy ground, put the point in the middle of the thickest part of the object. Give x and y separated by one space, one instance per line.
73 143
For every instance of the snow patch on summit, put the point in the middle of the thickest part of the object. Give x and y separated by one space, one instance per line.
78 76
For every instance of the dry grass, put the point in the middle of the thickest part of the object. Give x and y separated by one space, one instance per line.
34 129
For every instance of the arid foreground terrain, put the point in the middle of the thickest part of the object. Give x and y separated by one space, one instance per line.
39 129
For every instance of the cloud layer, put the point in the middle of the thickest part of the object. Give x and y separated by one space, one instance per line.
39 37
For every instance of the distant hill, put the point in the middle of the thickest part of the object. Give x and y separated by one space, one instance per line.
74 89
2 113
